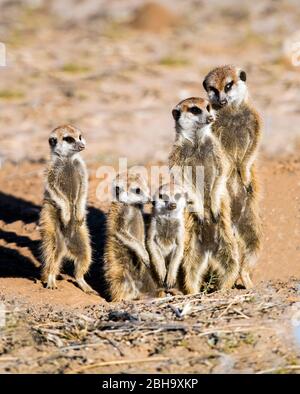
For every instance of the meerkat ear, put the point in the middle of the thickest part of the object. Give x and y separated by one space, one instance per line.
176 114
204 83
243 76
52 141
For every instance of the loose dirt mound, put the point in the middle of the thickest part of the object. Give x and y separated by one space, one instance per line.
154 17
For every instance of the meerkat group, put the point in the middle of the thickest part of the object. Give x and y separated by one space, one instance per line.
192 231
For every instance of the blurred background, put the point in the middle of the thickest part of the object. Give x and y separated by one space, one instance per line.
116 68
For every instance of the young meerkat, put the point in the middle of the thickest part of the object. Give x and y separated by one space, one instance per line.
165 240
63 225
209 240
126 260
238 128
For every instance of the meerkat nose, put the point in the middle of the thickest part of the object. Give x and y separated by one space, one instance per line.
209 119
172 205
80 146
223 101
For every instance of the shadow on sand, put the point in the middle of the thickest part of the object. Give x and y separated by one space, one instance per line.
14 264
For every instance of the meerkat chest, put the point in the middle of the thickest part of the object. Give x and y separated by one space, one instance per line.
69 180
167 233
206 158
235 135
136 225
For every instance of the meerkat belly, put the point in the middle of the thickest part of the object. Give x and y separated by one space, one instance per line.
166 246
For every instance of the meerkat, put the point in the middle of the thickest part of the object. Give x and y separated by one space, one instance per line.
126 260
209 241
165 240
238 127
63 225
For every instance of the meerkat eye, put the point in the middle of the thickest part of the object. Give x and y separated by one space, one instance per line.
195 110
138 190
208 108
69 140
52 141
177 196
228 86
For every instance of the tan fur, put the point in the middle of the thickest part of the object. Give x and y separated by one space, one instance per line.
63 217
238 128
126 260
209 237
165 238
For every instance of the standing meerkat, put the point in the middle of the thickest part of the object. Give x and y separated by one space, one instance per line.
126 260
209 241
238 128
63 216
165 240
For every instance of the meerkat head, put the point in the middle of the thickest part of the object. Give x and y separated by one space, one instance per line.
170 199
131 189
192 114
226 85
65 141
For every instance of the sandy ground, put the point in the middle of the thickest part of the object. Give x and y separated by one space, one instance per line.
117 77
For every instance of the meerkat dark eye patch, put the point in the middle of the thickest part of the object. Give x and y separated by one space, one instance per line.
177 196
52 141
212 89
138 191
228 86
195 110
69 140
176 114
243 76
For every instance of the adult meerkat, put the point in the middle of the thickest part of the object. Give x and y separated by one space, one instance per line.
126 260
238 128
165 240
209 241
63 217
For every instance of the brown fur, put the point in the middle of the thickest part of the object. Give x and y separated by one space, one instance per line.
238 128
63 225
209 240
165 238
126 261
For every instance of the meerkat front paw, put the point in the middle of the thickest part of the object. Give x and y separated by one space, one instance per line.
65 217
215 216
170 280
145 258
